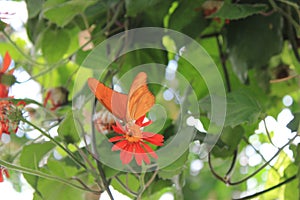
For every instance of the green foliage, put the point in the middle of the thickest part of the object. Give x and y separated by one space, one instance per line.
52 10
31 156
255 47
54 53
67 130
244 54
238 11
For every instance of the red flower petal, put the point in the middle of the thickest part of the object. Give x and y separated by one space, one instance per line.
156 139
1 176
127 154
141 152
147 123
140 120
149 150
119 145
118 128
6 62
6 172
116 138
3 91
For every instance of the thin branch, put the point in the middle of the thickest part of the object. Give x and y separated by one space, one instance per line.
85 186
223 62
269 189
268 133
213 170
55 142
41 174
125 187
94 150
256 151
263 166
228 174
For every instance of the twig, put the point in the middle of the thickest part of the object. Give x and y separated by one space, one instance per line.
268 133
94 150
223 62
125 187
40 174
263 166
228 174
269 189
213 170
55 142
245 139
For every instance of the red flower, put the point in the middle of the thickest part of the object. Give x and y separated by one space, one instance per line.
3 171
58 96
7 108
5 64
131 141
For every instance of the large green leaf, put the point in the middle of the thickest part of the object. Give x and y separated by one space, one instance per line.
175 168
291 187
231 137
188 19
251 44
127 179
241 107
62 12
156 189
31 156
54 44
294 124
67 130
34 7
50 190
237 11
133 7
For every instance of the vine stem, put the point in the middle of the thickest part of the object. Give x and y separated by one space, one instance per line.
264 165
43 175
223 61
94 150
269 189
54 141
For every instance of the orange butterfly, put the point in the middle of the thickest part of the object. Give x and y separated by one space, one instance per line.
125 107
131 109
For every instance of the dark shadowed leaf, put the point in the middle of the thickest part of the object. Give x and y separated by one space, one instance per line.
238 11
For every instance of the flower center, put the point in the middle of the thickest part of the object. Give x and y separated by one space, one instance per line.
134 133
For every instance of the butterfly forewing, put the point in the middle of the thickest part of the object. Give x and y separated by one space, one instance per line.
113 101
140 99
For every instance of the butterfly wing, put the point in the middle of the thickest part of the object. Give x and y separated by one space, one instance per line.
140 99
113 101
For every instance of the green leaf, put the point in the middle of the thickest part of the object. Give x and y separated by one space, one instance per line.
188 19
294 124
127 179
67 129
238 11
241 107
31 156
133 7
7 79
291 187
61 12
34 7
175 168
157 189
231 137
263 40
55 190
54 44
